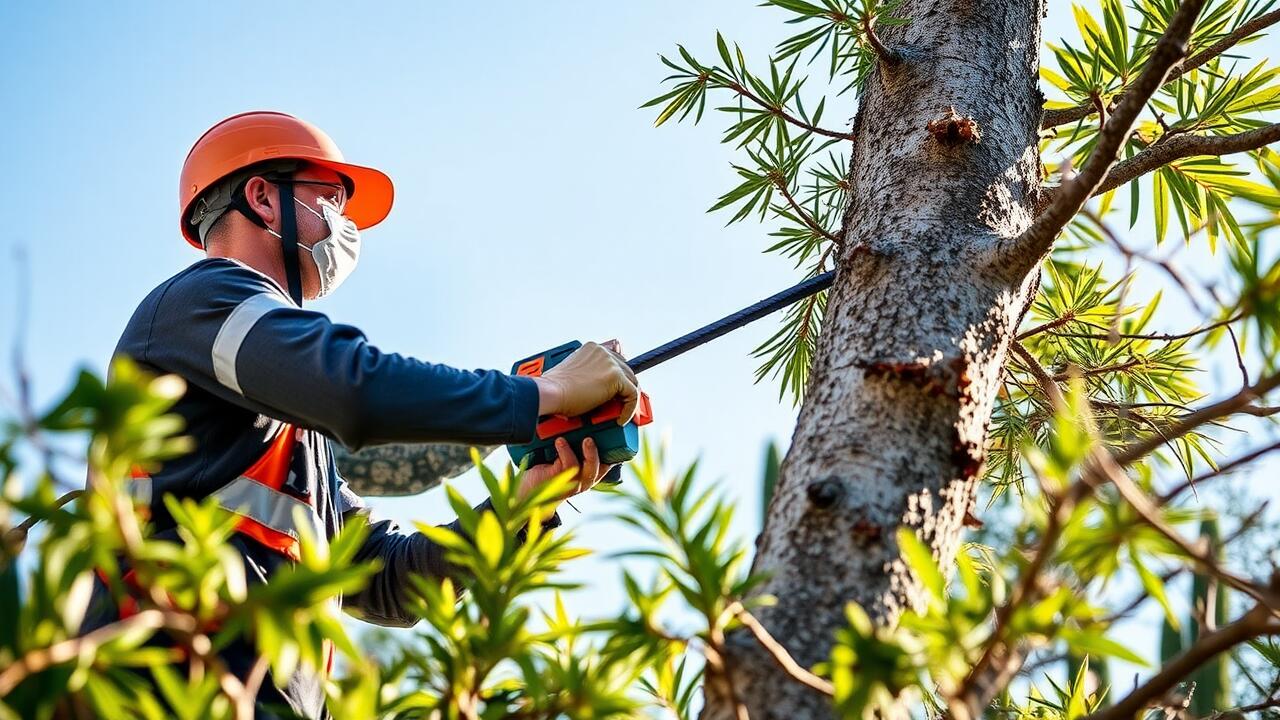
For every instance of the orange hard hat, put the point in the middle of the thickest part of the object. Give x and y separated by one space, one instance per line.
248 138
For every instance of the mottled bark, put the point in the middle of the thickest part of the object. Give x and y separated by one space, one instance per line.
404 469
917 328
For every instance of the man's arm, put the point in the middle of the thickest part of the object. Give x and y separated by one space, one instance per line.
229 331
403 468
385 600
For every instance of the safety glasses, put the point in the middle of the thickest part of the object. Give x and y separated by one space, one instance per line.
338 196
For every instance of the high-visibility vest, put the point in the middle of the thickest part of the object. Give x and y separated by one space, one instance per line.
267 512
264 507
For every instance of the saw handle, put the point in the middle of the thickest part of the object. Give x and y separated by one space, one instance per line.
615 443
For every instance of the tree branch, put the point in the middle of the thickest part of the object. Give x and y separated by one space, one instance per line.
1047 326
1072 195
782 113
1220 409
999 663
67 650
887 56
1253 624
1106 469
991 673
17 534
1119 367
1054 118
782 657
1169 148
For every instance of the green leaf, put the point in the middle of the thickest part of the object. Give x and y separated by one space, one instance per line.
490 539
919 558
1093 642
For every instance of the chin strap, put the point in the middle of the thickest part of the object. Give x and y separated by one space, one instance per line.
288 233
289 242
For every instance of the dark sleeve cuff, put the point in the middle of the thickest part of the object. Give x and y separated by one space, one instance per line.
550 523
524 409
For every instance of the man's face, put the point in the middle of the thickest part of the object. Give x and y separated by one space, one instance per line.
313 184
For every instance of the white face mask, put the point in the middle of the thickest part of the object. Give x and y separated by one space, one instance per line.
336 255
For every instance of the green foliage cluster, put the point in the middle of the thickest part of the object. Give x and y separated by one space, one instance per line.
496 639
484 648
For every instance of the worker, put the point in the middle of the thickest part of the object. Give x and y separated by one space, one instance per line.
278 212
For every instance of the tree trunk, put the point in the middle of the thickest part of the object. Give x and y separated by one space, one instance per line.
893 430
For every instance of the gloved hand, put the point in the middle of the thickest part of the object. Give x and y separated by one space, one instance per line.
587 379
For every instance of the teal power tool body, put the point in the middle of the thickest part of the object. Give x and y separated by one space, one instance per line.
620 443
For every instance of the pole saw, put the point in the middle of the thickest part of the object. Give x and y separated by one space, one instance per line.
619 443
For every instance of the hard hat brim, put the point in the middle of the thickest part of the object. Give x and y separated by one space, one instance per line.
372 192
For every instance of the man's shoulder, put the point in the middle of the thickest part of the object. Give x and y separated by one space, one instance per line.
215 280
199 294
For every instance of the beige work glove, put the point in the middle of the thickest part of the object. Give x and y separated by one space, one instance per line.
593 375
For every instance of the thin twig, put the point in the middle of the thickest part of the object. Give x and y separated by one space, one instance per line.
67 650
808 220
1140 598
18 533
1131 253
1105 468
782 657
1157 337
1090 372
782 113
1054 118
1047 326
1235 345
999 662
1224 469
1220 409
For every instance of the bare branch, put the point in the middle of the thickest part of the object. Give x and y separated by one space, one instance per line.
1054 118
1220 409
68 650
1072 195
782 657
1253 624
1169 148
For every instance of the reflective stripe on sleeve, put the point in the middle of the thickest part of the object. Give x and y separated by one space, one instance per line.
226 346
267 507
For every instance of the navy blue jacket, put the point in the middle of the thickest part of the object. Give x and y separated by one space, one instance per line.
253 360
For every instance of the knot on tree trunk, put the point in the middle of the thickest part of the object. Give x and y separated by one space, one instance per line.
825 493
953 129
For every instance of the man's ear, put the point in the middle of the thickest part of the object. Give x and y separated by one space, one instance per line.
263 198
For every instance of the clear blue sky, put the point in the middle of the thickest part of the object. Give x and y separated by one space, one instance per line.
535 203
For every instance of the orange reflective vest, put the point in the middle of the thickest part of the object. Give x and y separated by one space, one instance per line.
267 512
